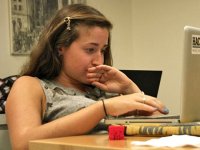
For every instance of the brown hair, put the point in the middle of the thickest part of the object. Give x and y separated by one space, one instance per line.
45 62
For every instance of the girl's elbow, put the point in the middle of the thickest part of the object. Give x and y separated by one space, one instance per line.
20 142
20 145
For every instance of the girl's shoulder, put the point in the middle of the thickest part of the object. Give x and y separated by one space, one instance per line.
27 83
26 80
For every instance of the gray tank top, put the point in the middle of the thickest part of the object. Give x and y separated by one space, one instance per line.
61 101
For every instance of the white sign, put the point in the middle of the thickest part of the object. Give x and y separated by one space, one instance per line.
195 44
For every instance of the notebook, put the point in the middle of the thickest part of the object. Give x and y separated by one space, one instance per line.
190 86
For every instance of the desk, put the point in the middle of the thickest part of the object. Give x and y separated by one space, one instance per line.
93 142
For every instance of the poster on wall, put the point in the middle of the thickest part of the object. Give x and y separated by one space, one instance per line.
27 18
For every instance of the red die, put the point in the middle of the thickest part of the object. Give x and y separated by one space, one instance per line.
116 132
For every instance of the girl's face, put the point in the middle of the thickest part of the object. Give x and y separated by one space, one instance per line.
85 52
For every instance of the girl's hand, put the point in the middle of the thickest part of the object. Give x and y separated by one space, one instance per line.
111 79
134 104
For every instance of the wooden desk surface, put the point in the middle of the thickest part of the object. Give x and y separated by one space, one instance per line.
94 142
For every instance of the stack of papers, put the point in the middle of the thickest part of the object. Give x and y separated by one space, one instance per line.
171 141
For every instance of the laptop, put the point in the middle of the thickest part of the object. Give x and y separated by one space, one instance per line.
190 88
147 80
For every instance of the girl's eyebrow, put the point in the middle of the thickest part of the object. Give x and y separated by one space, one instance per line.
96 44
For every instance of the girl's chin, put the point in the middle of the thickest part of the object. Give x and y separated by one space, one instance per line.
86 82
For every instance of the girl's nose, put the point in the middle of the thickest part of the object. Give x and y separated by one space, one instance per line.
98 59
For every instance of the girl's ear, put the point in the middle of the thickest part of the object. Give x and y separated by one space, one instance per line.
60 51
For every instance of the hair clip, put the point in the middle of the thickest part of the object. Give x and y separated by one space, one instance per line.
68 21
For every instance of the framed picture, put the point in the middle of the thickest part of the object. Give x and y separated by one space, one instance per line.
27 18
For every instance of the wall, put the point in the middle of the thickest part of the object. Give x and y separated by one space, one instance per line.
146 35
9 65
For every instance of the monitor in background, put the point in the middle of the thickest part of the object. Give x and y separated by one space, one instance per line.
147 80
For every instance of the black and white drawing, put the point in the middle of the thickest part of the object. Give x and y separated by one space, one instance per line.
27 18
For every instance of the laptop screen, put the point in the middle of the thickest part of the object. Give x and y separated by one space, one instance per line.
147 80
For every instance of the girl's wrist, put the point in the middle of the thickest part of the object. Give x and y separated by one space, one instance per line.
104 108
133 88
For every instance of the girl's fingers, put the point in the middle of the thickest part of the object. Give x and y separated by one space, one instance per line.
156 103
93 80
104 67
100 69
151 101
94 75
99 85
145 107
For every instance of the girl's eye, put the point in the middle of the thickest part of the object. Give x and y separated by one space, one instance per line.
90 50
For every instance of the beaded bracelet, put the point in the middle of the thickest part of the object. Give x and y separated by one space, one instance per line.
104 107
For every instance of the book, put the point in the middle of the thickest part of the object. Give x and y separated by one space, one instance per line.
163 129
